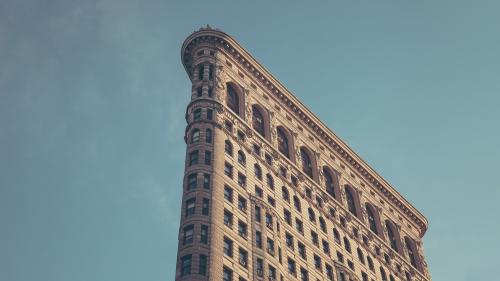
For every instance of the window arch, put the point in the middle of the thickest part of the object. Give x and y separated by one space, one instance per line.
351 200
258 123
233 99
392 235
195 136
373 221
412 252
307 164
331 182
283 142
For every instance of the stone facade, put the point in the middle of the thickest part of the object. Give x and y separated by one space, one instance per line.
270 193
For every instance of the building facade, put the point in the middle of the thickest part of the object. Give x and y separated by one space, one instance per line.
270 193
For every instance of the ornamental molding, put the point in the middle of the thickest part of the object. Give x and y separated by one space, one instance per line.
225 43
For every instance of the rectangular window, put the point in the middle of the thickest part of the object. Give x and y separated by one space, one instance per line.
271 201
205 206
227 274
242 204
299 226
258 239
228 218
242 180
292 267
208 136
228 194
243 257
304 275
188 234
208 157
202 269
329 271
210 114
190 207
288 216
204 234
228 247
269 221
270 246
228 170
192 180
302 250
271 272
260 267
186 265
289 240
326 247
193 158
206 181
317 262
257 214
258 192
242 229
197 114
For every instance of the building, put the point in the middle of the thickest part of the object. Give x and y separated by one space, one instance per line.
271 193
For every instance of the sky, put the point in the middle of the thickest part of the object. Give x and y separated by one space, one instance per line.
92 103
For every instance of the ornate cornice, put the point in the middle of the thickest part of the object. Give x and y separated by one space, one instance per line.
227 44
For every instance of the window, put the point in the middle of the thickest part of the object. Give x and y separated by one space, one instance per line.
204 234
391 233
205 206
241 136
285 194
317 262
228 170
200 71
192 181
271 273
336 236
370 263
208 157
361 256
350 201
195 136
329 182
188 234
258 192
269 221
292 266
314 238
283 144
206 181
304 275
364 276
228 194
228 247
326 246
391 278
242 180
210 114
322 224
412 252
256 150
302 250
307 166
210 72
289 240
210 93
347 244
242 158
287 216
228 218
340 257
296 203
312 215
242 229
228 126
259 265
269 159
350 264
243 257
258 239
271 201
208 136
258 121
270 181
299 226
371 218
257 213
270 246
309 193
186 265
232 99
242 204
228 148
257 171
190 207
227 274
193 158
202 269
199 92
197 114
383 275
329 271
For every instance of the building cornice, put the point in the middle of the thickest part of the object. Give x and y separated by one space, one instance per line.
227 44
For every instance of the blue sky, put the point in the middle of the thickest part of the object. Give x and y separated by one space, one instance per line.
92 100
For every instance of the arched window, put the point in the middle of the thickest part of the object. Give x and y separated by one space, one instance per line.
351 204
329 182
258 121
307 166
195 136
391 233
283 144
228 148
372 221
232 99
242 158
412 252
208 136
296 203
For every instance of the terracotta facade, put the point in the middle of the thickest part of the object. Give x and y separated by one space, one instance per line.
270 193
